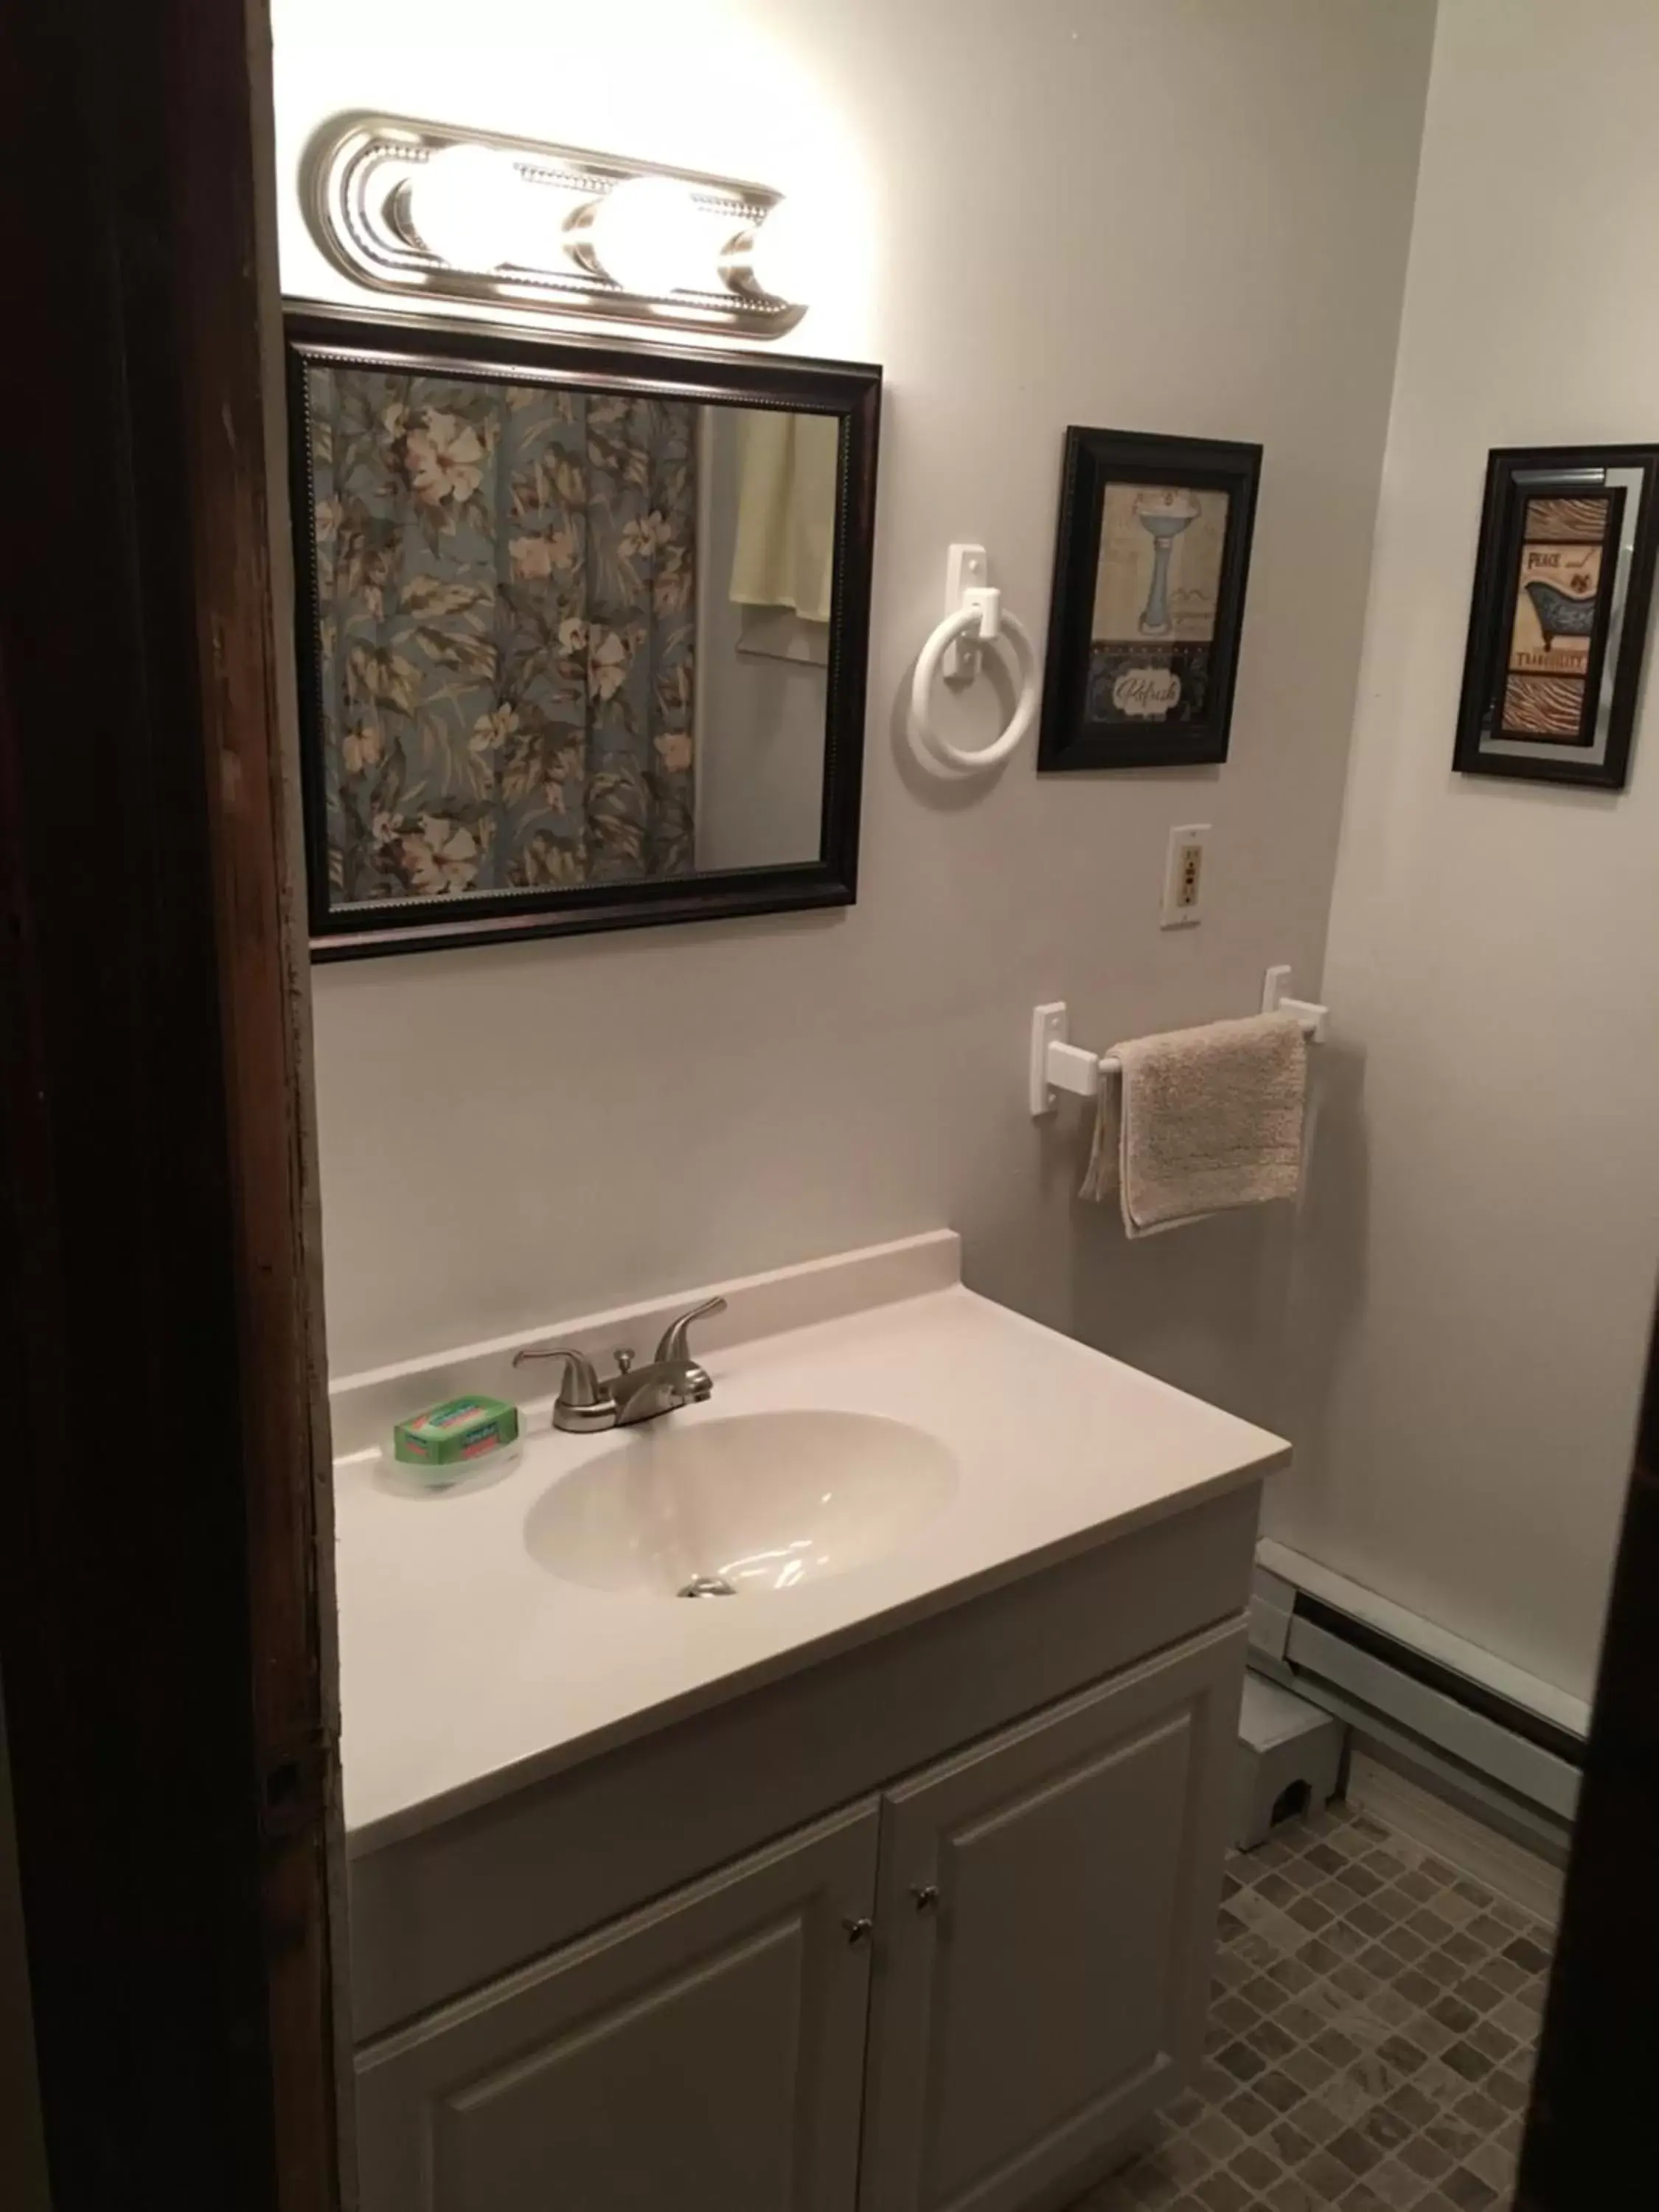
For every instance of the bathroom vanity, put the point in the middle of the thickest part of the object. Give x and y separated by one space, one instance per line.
888 1880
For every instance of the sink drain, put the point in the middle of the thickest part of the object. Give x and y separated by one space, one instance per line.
706 1586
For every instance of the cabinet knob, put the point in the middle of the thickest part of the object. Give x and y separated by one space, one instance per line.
859 1930
925 1894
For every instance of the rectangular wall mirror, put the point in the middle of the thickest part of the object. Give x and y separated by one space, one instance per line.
582 630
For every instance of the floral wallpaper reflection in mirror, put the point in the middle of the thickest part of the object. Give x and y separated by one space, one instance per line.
506 581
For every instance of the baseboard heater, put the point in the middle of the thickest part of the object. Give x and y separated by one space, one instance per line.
1505 1743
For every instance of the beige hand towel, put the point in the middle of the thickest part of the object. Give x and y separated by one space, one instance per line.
1201 1121
785 555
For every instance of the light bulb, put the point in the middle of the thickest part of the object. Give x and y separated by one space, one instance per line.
781 259
775 256
468 206
649 237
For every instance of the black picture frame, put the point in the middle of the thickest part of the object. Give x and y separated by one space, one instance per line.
1075 734
1594 751
428 344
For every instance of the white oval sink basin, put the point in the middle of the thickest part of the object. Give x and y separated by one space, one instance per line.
754 1502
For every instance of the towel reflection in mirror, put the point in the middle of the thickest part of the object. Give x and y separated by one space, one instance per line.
783 556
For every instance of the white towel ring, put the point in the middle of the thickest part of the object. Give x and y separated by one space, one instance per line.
979 618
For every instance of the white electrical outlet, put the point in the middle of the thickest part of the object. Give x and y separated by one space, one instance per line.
1183 875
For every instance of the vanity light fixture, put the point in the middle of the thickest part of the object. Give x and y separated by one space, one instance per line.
444 214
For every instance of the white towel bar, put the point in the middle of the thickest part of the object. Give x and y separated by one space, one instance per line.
1058 1065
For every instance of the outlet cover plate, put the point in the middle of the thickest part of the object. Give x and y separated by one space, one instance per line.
1185 868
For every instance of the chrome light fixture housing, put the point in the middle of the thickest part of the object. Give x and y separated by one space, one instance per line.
437 212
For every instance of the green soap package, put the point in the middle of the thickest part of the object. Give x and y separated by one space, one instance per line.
460 1429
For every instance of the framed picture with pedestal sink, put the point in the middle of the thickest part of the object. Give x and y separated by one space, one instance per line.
1150 569
1562 592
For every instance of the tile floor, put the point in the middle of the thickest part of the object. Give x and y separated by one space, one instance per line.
1371 2037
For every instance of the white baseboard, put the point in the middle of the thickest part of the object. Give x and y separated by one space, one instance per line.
1480 1851
1427 1637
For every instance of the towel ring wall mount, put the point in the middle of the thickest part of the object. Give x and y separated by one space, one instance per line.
975 617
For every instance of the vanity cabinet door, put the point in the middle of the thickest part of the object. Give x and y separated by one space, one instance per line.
704 2054
1046 1919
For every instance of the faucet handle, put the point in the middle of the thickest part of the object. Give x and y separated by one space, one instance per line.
580 1384
673 1345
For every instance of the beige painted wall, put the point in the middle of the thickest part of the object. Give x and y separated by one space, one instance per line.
1475 1295
1163 215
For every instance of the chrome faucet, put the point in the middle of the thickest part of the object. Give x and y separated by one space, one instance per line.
633 1393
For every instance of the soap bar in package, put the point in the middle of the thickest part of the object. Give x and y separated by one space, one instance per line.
456 1438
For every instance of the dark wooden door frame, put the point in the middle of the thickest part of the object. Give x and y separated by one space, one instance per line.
22 2151
165 1632
1593 2130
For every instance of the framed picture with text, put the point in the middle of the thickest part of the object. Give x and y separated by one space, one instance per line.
1150 569
1562 592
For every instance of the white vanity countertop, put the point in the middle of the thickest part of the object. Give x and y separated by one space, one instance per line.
467 1669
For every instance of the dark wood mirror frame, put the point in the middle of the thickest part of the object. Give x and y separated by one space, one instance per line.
429 345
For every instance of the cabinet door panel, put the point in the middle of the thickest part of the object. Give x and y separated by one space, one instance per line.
705 2053
1056 1990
